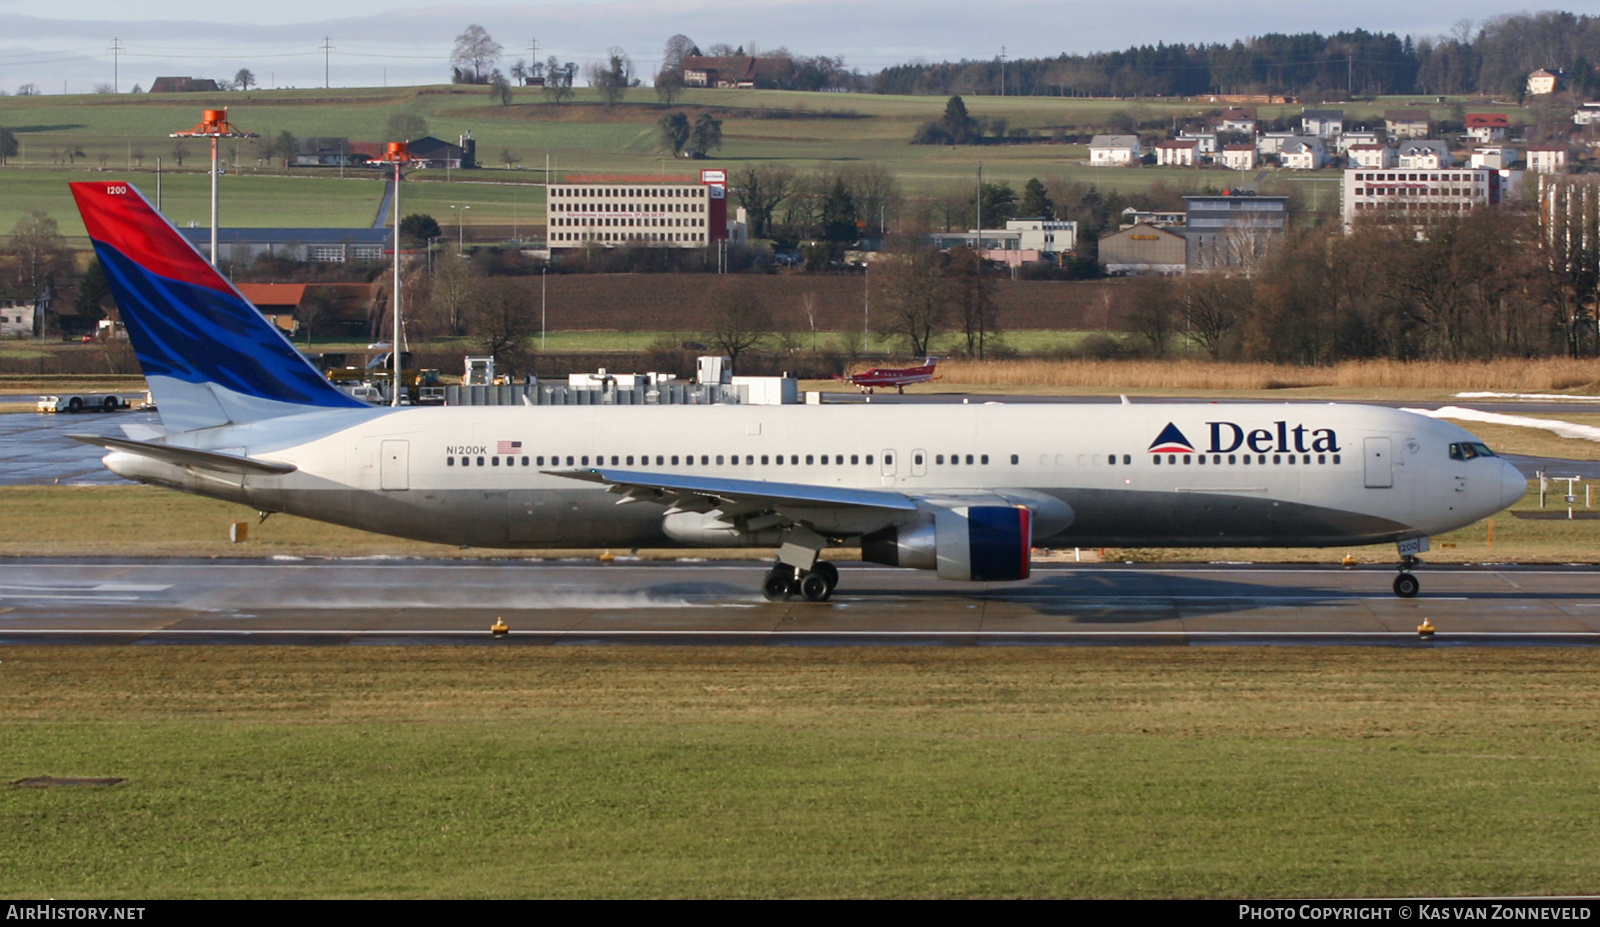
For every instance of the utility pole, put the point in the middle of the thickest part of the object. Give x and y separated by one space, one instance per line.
1002 70
116 65
327 48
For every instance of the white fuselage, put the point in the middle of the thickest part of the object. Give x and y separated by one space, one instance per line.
1242 473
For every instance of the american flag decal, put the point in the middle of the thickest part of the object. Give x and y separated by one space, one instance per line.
508 447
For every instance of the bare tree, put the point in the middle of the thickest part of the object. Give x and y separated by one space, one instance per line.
613 76
972 286
499 88
763 188
454 289
36 253
406 126
475 53
911 287
245 79
669 80
739 320
499 319
1213 306
558 79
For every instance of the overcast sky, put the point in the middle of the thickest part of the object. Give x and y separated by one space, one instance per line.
409 41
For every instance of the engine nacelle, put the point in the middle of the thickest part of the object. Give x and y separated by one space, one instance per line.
982 543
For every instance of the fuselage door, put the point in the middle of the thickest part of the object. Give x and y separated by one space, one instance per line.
395 465
1380 463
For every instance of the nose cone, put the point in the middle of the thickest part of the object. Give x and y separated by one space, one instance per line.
1513 485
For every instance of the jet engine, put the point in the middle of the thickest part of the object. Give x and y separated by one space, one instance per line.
978 542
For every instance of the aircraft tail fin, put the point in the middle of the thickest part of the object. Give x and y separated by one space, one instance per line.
209 356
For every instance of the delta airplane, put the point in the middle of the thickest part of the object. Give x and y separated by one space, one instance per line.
964 490
897 377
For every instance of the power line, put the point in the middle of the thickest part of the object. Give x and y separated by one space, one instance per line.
116 65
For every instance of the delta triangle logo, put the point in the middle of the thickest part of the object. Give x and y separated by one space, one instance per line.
1171 441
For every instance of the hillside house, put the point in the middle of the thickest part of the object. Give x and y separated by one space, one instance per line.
1303 154
1541 82
1175 152
1240 157
1377 156
1115 149
735 71
19 318
1322 123
1424 154
1547 159
1407 123
1493 157
1205 142
1488 128
1343 143
1240 119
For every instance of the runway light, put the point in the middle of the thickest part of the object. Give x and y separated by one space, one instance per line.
607 556
1425 629
499 628
1349 560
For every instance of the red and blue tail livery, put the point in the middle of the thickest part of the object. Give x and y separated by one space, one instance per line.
209 356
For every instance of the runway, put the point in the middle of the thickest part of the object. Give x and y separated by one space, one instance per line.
355 602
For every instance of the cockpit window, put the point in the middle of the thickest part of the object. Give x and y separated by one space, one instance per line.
1467 450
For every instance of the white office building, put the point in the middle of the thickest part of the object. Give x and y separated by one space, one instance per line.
663 215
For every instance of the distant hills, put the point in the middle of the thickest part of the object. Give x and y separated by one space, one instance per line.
1494 57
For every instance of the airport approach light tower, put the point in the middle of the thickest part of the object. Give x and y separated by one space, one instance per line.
397 154
214 125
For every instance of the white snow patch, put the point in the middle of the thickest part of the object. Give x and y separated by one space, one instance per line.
1528 397
1559 428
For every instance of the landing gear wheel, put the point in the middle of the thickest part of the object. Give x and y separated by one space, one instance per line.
828 572
814 586
778 585
1406 585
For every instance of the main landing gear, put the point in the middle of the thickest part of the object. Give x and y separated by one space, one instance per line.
814 585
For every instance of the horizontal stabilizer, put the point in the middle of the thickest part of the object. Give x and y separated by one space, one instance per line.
188 456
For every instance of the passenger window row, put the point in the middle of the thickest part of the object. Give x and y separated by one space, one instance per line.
688 460
1244 459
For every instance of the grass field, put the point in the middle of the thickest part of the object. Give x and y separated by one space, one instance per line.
119 135
799 772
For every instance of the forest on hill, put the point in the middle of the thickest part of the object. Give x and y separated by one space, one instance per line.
1493 57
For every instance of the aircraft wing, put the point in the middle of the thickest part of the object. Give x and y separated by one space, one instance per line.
733 496
188 456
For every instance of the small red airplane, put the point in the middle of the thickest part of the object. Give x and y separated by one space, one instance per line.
897 377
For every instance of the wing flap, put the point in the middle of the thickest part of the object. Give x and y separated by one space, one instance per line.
688 492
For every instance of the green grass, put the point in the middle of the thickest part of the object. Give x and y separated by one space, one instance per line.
819 131
795 772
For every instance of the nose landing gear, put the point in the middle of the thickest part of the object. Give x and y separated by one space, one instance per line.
1405 585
